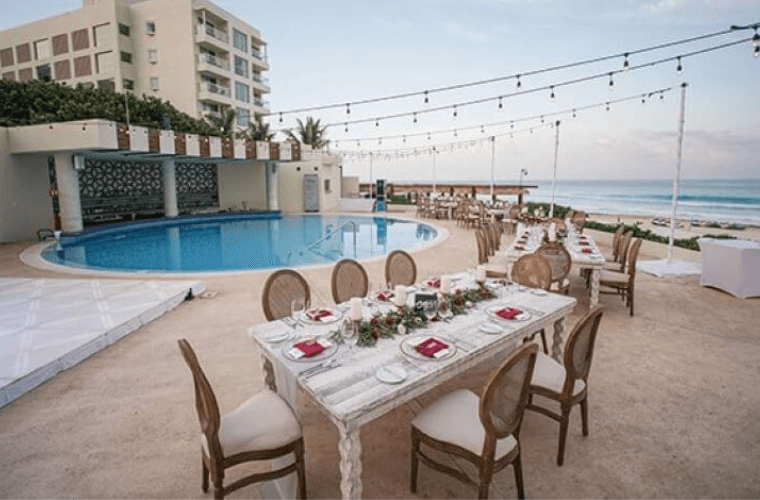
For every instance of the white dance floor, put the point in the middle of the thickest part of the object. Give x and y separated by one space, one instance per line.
49 325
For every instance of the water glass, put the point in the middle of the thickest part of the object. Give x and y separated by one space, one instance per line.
430 310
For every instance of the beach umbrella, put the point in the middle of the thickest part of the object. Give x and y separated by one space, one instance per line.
554 175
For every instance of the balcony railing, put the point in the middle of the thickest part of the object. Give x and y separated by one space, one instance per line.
261 79
212 32
259 55
215 89
260 102
215 61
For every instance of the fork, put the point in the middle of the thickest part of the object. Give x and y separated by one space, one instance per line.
321 367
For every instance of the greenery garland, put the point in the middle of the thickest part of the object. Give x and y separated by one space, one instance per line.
405 319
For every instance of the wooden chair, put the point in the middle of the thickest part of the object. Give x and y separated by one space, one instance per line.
279 291
349 279
400 269
622 283
616 243
484 431
579 220
533 271
262 428
567 383
514 217
492 271
560 262
624 244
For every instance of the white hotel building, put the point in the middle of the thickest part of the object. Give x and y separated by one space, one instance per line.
191 52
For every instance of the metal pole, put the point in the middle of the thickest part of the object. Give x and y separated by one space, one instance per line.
370 176
493 157
554 176
677 177
434 170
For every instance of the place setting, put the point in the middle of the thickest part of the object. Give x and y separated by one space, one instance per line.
428 347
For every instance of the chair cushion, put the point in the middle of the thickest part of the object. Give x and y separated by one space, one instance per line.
613 278
455 419
549 374
263 422
612 266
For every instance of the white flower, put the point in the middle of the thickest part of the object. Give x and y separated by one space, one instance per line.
401 329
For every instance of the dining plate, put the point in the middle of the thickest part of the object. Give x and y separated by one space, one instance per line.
409 347
490 328
334 316
289 351
492 310
276 336
538 291
392 374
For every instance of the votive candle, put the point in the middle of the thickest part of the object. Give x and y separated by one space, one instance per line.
356 309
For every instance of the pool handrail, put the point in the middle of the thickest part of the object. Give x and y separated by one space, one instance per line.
327 235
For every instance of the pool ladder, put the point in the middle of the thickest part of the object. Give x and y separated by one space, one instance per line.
326 236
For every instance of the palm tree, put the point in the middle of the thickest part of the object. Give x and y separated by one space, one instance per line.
256 131
225 122
312 133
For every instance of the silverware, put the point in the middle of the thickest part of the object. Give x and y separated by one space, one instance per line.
321 367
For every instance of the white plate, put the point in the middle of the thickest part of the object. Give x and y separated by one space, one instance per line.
523 316
392 374
334 316
330 349
490 328
539 291
276 336
409 347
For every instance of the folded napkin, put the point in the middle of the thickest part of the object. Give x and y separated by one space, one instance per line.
519 247
307 348
587 250
435 283
508 312
384 296
318 314
583 242
431 347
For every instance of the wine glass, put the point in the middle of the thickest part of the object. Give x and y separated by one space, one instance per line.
471 268
430 310
297 310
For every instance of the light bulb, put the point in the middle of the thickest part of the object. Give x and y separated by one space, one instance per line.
455 111
679 68
426 97
552 87
500 104
377 123
626 65
348 109
346 127
415 117
612 83
519 84
280 117
574 115
756 40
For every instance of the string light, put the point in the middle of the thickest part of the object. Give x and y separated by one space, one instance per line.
519 84
612 83
552 89
415 117
756 43
426 97
455 132
679 68
280 117
482 129
348 108
346 127
377 122
574 114
626 64
455 111
608 106
500 103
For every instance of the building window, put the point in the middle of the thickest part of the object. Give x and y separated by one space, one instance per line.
242 117
62 69
154 82
87 85
128 84
100 34
10 75
327 186
239 40
24 75
23 53
79 40
152 56
150 27
123 29
107 84
104 62
6 57
60 44
82 66
242 93
41 49
241 66
126 57
43 72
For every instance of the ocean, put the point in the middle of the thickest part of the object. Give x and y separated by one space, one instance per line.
716 200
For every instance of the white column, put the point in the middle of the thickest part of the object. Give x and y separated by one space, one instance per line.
68 193
170 188
272 186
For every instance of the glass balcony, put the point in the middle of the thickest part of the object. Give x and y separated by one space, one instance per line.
261 79
215 88
213 60
260 102
212 32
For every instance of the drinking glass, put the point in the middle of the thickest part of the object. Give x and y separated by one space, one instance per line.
471 265
297 309
430 310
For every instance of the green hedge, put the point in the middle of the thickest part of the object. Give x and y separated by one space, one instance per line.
38 101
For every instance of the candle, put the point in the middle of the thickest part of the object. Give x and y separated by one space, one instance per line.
399 295
356 309
480 274
445 284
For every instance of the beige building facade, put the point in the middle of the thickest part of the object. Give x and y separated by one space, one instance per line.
201 58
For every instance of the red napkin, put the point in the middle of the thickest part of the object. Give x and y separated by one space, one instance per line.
508 312
519 247
318 314
435 283
310 347
430 347
383 297
586 250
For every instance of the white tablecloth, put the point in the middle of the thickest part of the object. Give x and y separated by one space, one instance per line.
731 265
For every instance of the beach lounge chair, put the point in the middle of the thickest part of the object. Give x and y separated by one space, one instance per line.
349 279
484 430
567 383
261 429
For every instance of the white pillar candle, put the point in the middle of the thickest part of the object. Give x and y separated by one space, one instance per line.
480 274
445 284
399 295
356 308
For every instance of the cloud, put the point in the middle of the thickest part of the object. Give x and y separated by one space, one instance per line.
664 6
456 29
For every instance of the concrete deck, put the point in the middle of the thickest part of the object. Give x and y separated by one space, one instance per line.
673 402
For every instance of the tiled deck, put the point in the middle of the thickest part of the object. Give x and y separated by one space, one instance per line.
49 325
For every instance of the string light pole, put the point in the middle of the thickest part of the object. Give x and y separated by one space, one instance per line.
493 163
433 152
677 176
554 175
371 190
523 171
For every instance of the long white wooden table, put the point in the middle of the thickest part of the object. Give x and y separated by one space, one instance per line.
350 394
593 261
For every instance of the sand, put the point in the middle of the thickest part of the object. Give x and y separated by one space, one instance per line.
673 402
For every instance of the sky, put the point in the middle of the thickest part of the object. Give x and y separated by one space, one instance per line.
334 52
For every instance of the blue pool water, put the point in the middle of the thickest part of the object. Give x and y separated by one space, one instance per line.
237 242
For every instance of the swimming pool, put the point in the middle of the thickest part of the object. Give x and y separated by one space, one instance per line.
238 242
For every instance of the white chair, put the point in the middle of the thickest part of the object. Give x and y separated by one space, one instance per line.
485 430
